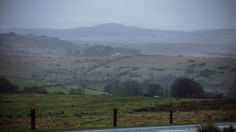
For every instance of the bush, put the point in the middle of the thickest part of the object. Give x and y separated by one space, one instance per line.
186 88
6 86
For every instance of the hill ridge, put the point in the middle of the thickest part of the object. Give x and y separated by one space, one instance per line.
113 32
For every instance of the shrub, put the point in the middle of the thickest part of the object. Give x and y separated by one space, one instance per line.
186 88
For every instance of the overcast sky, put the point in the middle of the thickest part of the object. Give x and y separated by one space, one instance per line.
157 14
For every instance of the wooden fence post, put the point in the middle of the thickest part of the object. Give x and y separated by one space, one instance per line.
32 113
171 118
115 117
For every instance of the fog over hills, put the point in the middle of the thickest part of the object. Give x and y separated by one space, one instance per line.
12 43
212 42
18 44
113 32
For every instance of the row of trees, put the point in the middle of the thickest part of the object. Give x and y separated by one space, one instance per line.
181 88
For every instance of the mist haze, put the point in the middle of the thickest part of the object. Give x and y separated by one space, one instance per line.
121 22
113 32
215 42
68 64
181 15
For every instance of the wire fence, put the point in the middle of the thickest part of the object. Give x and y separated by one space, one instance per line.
183 112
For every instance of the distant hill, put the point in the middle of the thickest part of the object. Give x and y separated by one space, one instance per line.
12 43
113 32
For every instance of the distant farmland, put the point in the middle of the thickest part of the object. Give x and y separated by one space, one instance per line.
215 74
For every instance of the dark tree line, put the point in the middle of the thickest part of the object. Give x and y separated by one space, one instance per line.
181 88
133 88
188 88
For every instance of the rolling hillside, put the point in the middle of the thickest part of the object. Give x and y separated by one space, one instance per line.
203 43
215 74
12 43
32 45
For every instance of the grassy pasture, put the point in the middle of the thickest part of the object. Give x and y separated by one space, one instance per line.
72 104
51 87
214 74
52 69
56 112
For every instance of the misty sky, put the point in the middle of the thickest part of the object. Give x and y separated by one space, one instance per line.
157 14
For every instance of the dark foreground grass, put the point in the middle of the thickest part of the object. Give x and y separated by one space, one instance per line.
56 112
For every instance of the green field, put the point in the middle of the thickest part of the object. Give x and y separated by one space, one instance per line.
56 112
22 83
15 109
51 87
